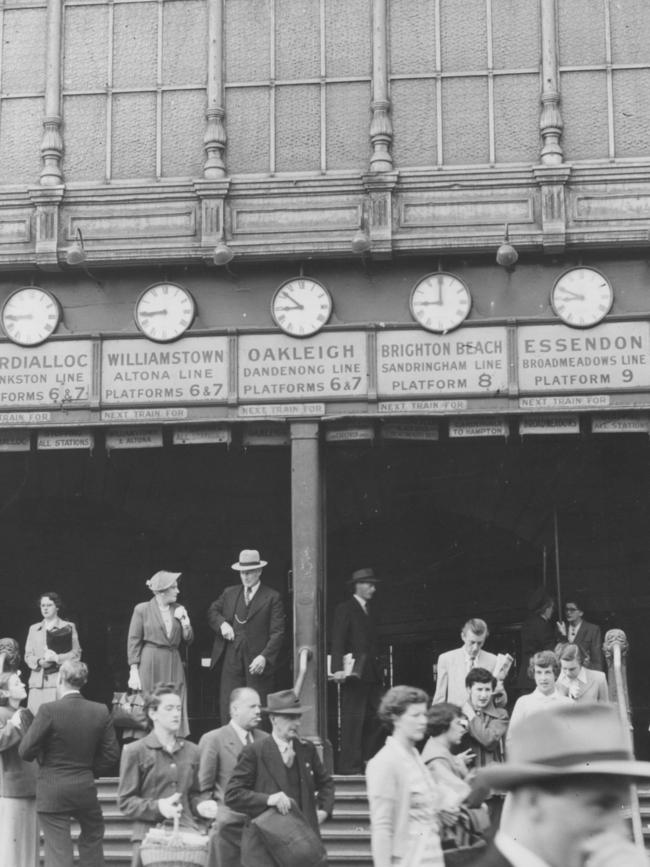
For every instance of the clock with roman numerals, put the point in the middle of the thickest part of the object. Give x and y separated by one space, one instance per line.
301 306
582 297
440 302
164 311
30 315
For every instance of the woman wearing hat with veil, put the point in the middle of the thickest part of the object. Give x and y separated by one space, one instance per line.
155 634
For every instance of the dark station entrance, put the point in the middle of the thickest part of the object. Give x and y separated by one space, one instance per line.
468 528
94 527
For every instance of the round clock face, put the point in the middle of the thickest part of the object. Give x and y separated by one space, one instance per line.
440 302
301 306
30 315
164 311
582 297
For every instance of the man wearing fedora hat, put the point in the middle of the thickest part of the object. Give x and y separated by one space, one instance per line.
248 619
354 632
568 774
279 772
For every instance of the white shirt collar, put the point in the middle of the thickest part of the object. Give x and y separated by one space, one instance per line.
242 734
566 680
518 855
253 590
283 746
362 602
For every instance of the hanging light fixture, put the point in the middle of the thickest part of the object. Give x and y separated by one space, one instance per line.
76 252
507 255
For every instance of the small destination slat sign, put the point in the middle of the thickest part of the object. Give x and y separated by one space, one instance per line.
283 410
350 432
14 441
65 439
394 407
479 427
266 435
410 430
201 435
620 424
134 438
549 424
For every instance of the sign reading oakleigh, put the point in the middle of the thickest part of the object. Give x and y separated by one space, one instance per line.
469 361
57 374
611 357
192 370
329 365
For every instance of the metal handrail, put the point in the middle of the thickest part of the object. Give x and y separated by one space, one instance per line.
304 655
624 713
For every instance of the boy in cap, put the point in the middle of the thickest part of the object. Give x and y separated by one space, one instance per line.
568 772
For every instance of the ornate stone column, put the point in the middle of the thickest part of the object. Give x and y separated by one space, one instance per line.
52 141
214 140
381 128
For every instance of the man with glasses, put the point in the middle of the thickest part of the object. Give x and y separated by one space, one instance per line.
576 630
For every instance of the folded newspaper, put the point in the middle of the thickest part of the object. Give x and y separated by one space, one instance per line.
502 666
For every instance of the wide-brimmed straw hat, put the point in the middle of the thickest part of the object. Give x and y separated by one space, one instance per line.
162 581
366 576
248 559
565 741
284 702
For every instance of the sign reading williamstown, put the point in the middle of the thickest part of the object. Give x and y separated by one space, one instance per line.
192 370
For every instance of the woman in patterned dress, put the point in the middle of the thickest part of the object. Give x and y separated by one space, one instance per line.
403 797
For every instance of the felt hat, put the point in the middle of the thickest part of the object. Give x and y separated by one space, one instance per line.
248 559
565 741
285 701
363 575
162 581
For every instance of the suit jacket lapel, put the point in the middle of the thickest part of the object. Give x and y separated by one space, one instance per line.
231 741
274 764
257 601
155 608
305 791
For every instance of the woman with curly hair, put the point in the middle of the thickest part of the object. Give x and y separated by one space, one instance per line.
403 797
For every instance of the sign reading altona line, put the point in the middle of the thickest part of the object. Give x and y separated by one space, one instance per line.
57 374
328 365
192 370
610 357
469 361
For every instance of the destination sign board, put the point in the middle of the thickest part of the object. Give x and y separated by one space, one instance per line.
469 361
330 365
192 370
56 374
613 356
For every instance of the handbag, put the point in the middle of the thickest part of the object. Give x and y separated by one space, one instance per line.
290 840
128 711
162 847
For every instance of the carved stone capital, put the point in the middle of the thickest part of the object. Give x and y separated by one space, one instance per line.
51 151
552 181
381 136
214 144
212 196
47 203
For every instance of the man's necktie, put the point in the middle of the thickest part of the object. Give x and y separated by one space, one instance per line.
249 738
248 594
288 755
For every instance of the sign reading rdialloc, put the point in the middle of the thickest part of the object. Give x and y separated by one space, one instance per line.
329 365
609 357
192 370
57 374
471 361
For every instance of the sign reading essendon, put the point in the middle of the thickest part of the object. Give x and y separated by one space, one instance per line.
192 370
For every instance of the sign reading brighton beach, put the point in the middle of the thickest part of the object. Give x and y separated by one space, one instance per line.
470 361
610 357
57 374
275 367
192 370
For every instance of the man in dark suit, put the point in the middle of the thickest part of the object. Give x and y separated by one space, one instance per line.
568 772
276 770
73 741
537 633
219 751
248 619
576 630
354 632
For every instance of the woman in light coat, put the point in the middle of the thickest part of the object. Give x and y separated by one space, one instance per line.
155 634
49 643
404 799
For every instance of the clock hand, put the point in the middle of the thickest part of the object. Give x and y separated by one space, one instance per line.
15 317
569 294
162 312
296 305
428 303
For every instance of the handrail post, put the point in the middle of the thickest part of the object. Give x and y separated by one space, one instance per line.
615 647
304 655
